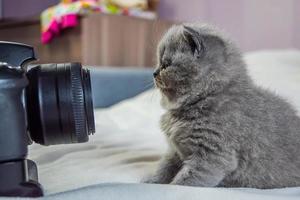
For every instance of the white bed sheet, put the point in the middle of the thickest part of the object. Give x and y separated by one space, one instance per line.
128 141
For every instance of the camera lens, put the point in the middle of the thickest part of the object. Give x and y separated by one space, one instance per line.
59 104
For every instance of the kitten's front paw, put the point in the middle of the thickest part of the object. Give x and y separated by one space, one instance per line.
151 179
186 182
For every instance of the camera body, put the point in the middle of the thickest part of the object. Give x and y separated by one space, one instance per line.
47 104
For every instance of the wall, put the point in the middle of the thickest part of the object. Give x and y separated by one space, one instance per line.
24 8
254 24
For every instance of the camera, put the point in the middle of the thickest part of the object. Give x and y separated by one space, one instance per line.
43 103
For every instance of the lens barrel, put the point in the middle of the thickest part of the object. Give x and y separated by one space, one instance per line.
59 104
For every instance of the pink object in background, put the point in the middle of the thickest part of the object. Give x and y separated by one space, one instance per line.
46 37
54 27
64 15
52 31
68 21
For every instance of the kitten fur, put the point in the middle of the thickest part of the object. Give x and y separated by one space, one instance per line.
222 130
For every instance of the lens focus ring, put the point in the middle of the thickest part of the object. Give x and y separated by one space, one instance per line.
77 100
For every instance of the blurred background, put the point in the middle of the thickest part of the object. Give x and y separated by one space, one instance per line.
126 32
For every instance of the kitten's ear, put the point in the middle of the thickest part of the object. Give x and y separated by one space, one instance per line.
194 40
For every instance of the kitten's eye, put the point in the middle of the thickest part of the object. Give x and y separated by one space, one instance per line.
166 63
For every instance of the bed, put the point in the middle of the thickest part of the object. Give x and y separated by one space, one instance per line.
128 142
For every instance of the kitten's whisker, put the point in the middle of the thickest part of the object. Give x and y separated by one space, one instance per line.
148 85
154 93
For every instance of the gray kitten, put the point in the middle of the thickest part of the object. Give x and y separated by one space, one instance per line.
222 130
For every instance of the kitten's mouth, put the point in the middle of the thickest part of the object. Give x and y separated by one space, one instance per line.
158 82
161 84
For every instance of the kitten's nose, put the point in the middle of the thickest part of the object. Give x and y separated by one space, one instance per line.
155 73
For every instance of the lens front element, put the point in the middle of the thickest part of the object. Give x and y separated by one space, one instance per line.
59 104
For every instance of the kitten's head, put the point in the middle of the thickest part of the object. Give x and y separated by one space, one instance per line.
194 61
